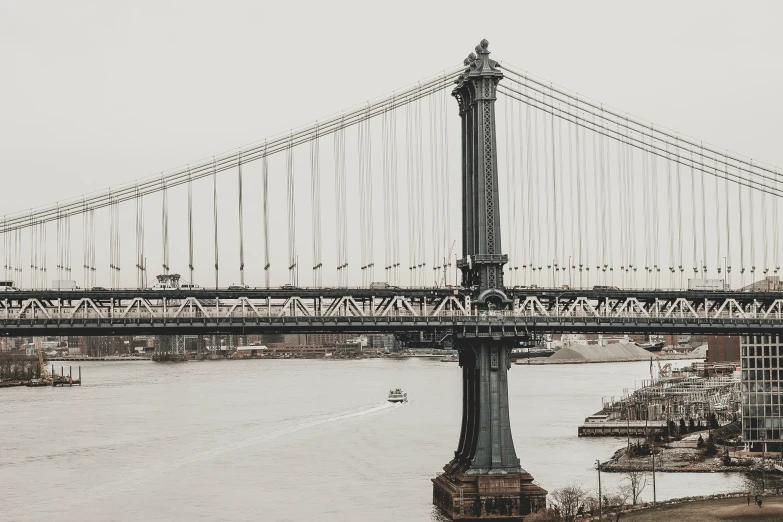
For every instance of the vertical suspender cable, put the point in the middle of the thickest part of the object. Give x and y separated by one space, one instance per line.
580 146
85 255
717 220
510 153
573 160
215 220
752 214
550 201
43 255
67 247
435 180
190 225
117 244
138 265
339 197
560 219
165 225
422 242
656 220
703 217
387 218
368 185
776 244
292 268
141 261
32 251
409 175
364 221
265 181
742 235
5 250
646 209
679 210
693 215
629 208
395 258
112 242
670 215
241 222
555 224
59 246
728 219
445 186
315 195
92 245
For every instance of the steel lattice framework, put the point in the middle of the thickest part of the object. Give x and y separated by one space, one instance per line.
132 312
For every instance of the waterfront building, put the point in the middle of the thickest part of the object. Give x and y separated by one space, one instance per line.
762 371
327 339
723 348
299 350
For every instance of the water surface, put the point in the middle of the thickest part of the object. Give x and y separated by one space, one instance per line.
280 440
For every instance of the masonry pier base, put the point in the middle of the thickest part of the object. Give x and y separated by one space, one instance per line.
484 480
481 497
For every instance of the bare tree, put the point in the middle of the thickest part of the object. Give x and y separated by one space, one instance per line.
618 498
544 515
568 500
637 481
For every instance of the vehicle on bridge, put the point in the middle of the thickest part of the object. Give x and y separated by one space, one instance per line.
7 286
64 284
166 282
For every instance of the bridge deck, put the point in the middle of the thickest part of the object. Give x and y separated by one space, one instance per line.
129 312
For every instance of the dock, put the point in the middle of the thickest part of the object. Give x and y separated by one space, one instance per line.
620 429
47 379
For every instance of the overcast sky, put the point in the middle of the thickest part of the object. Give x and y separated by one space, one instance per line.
96 94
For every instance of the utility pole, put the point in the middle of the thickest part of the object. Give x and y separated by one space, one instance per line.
653 459
600 497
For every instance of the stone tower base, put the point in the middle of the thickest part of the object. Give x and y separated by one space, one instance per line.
509 496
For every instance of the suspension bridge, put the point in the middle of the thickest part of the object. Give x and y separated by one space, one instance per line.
604 217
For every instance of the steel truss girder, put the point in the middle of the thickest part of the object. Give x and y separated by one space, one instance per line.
362 310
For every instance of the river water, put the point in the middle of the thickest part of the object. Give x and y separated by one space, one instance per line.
280 440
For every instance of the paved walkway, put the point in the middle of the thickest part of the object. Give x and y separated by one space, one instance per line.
734 509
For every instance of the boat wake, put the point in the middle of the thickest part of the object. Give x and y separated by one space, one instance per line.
138 477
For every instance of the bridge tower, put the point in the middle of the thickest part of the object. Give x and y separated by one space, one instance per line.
484 479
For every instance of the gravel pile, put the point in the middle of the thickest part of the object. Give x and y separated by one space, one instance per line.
609 352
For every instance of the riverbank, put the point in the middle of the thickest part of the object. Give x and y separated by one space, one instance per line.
733 507
685 456
662 357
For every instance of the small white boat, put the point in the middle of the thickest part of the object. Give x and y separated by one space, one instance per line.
397 396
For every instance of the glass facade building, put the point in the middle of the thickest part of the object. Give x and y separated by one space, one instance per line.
762 372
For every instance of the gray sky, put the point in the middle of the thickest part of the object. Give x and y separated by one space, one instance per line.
96 94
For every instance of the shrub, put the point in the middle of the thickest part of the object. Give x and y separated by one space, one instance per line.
711 449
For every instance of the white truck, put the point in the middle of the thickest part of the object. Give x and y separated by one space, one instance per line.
64 284
7 286
706 284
